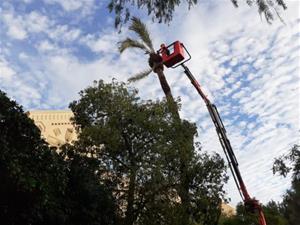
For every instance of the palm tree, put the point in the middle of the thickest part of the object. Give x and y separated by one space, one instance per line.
155 61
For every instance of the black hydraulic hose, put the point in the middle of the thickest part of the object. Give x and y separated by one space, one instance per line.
225 143
230 156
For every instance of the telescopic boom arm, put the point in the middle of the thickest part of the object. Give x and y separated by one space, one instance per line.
173 56
250 203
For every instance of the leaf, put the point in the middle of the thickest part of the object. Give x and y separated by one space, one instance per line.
130 43
140 75
141 30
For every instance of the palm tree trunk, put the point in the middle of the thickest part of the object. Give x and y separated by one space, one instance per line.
183 190
129 216
167 90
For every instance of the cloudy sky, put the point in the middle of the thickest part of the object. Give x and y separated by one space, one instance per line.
52 49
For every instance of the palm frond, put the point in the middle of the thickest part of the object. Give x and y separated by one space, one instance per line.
140 75
141 30
130 43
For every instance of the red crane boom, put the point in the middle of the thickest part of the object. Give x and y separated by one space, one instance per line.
172 56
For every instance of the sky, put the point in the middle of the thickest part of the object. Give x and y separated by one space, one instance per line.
52 49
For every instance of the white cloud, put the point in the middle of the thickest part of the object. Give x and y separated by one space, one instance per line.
45 46
27 1
64 33
102 43
14 26
65 87
84 6
68 5
35 23
19 85
6 73
23 56
20 26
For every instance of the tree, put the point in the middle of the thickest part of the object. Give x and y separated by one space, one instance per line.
40 186
286 212
85 200
163 10
242 217
135 145
155 60
272 212
31 175
284 165
184 141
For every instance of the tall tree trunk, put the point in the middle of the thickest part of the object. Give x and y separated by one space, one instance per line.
167 90
129 216
184 187
183 149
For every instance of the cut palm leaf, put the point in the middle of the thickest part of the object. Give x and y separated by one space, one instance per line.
140 75
129 43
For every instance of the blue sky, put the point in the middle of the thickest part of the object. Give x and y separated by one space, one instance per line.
52 49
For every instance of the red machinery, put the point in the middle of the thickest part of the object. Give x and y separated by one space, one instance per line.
173 56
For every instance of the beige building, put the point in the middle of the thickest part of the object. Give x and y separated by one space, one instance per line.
227 210
55 125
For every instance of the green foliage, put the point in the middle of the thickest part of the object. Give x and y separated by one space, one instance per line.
143 43
274 214
40 186
272 211
140 156
138 27
133 164
30 173
140 76
182 145
85 200
129 43
284 165
163 11
155 61
293 158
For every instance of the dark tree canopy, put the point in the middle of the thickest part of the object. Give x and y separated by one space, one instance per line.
40 186
85 200
29 171
139 158
272 211
284 165
163 11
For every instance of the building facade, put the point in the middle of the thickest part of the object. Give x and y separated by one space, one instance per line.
228 210
55 125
